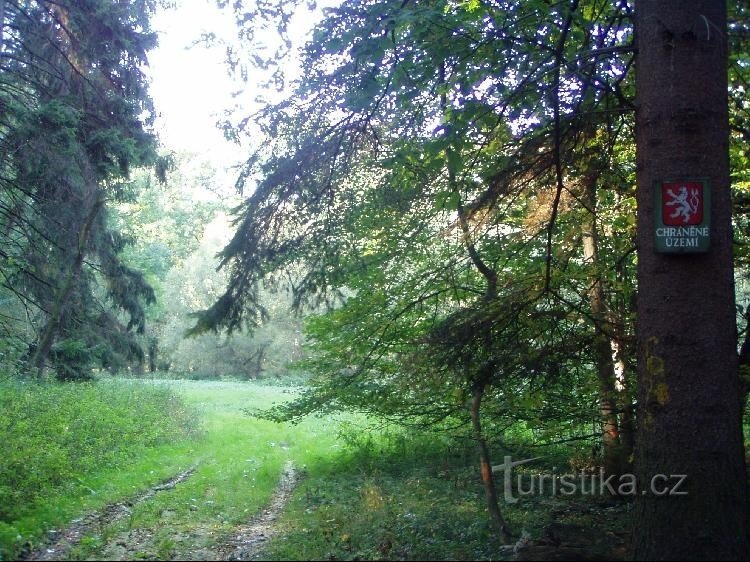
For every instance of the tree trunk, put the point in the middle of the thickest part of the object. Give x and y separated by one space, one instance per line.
605 367
623 381
688 389
485 465
485 376
47 337
153 350
627 432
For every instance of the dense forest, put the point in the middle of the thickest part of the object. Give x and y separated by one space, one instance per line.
467 232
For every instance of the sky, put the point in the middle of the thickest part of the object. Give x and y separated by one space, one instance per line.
191 86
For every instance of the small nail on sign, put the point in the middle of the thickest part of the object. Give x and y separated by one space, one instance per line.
683 212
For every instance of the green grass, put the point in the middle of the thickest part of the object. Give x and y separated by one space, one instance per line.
239 461
389 495
60 443
393 494
367 494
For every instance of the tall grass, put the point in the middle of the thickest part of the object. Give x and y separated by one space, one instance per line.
53 435
389 494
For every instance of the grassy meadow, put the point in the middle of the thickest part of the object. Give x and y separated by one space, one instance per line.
368 491
70 449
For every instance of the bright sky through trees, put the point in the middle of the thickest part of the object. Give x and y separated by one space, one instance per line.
190 82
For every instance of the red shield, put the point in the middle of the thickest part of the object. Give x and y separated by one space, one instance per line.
682 203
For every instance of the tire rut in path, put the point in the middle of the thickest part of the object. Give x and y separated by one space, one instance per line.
247 541
65 539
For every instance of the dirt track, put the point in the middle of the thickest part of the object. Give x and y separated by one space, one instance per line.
243 543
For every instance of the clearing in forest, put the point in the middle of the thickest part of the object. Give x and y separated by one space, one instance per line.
322 489
238 476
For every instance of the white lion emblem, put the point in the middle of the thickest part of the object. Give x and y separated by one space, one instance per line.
685 203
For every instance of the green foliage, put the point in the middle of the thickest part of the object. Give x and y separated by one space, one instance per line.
54 435
165 220
351 515
76 120
459 195
398 495
739 110
239 460
73 360
192 284
369 490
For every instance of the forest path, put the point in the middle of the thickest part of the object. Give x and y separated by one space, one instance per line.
248 540
65 539
246 471
245 541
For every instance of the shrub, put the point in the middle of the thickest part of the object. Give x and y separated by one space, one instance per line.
54 434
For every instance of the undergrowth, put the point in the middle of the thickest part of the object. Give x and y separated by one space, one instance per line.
409 496
54 436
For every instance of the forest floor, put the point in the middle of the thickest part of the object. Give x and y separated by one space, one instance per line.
214 497
561 540
250 489
245 541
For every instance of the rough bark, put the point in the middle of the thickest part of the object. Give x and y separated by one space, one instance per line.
688 393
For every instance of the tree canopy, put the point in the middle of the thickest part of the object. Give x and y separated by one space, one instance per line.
428 180
455 183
